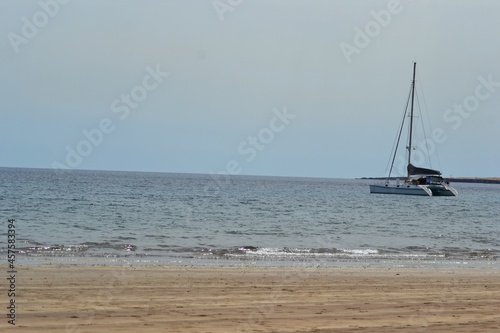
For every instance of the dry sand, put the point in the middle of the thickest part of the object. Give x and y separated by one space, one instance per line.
77 298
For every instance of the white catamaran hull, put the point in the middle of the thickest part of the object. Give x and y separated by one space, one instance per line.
411 189
401 189
443 190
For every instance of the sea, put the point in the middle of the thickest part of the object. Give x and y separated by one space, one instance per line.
144 218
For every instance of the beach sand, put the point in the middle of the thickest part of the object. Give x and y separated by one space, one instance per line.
85 298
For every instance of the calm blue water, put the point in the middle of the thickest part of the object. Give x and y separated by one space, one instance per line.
161 218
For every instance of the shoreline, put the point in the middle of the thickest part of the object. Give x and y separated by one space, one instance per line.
109 298
375 263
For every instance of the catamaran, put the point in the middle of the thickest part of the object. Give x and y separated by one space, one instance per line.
418 181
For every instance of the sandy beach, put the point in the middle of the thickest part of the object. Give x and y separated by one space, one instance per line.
84 298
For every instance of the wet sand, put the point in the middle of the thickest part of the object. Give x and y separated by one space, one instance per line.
83 298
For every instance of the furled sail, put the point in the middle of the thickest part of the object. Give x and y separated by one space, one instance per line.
413 170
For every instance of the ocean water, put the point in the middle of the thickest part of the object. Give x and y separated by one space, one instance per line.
139 218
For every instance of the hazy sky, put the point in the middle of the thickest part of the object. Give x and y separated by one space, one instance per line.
259 87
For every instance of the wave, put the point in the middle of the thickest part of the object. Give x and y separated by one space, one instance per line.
118 248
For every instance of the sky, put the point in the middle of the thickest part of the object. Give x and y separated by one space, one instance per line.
306 88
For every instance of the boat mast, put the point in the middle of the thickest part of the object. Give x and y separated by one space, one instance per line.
411 113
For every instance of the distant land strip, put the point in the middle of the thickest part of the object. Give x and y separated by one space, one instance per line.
482 180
